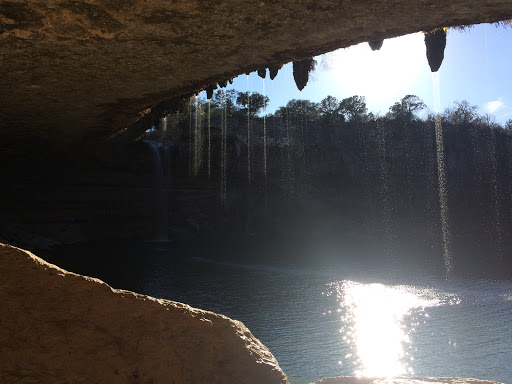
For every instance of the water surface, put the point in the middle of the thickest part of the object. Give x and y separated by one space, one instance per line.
323 318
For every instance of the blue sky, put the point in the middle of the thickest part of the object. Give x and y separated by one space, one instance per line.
476 68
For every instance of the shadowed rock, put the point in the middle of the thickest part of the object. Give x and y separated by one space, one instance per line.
435 42
223 83
301 71
209 90
90 44
273 71
375 45
60 327
262 73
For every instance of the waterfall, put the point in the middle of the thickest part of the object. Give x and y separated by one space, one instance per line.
443 191
190 135
198 138
495 195
385 193
248 135
161 180
224 155
265 145
209 144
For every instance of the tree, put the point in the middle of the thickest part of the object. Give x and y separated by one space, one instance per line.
407 108
330 109
298 109
462 114
508 124
354 108
254 102
224 99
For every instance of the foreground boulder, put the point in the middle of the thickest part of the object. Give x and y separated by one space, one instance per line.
403 380
60 327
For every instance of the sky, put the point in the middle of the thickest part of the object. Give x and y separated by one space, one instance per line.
477 68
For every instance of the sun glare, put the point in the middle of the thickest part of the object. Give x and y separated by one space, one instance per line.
379 75
376 325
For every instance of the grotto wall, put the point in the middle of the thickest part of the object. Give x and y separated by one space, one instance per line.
56 326
75 73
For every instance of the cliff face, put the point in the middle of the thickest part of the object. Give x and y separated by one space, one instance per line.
77 72
57 326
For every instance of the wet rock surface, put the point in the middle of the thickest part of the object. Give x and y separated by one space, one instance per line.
61 327
74 73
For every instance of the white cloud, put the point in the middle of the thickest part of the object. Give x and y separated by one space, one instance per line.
495 105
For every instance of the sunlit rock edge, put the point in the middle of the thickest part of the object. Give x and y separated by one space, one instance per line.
403 380
57 326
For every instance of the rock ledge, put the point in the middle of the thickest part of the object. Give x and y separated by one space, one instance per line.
57 326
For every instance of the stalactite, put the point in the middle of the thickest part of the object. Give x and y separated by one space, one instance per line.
435 42
273 71
209 90
301 71
375 45
262 73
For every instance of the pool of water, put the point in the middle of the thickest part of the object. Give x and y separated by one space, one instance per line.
323 317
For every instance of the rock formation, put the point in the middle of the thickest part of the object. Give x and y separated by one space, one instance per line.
375 45
74 73
435 43
301 70
56 326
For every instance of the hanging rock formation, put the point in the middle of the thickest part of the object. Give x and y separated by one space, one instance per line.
301 71
435 42
273 71
375 45
59 327
74 73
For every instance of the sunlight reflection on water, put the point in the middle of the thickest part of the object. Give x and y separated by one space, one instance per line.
375 324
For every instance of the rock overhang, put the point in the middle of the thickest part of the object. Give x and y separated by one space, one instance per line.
78 72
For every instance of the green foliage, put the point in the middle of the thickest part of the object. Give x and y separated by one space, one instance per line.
406 109
462 114
298 109
253 103
354 108
330 109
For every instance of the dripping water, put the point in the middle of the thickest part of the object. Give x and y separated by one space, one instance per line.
224 155
443 192
248 135
209 144
265 143
190 148
495 195
197 137
161 165
264 134
385 193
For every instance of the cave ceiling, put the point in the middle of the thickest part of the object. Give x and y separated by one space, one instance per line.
78 72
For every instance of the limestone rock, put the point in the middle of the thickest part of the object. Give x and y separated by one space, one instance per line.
60 327
435 43
76 72
403 380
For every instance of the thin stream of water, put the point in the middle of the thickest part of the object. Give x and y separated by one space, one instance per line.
209 143
443 191
248 134
495 195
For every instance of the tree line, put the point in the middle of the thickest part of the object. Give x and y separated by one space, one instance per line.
352 109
